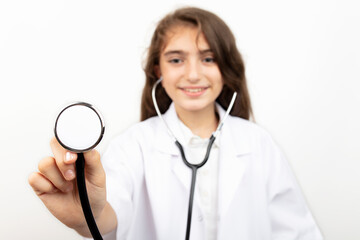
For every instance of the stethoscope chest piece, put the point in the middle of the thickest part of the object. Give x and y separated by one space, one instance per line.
79 127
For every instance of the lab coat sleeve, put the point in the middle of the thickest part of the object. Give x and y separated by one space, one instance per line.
289 215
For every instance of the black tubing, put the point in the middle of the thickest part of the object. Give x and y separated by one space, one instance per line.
80 178
191 201
194 168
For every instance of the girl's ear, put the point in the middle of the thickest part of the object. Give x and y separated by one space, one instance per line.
157 71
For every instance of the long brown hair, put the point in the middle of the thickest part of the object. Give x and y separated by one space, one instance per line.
221 42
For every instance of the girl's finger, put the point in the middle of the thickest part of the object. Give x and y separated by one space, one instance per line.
48 168
41 184
94 170
64 159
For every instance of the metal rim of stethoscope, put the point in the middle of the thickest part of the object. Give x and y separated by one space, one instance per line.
193 167
101 119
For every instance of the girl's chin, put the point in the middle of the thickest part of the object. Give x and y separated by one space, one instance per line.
194 107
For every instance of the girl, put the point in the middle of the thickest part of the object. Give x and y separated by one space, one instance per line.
246 189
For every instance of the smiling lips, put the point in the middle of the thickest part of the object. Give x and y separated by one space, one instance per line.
194 91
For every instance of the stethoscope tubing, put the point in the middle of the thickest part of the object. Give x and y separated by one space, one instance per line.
193 167
85 204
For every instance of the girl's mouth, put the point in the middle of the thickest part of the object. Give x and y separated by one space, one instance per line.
194 91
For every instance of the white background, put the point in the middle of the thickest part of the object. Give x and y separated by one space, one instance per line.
302 60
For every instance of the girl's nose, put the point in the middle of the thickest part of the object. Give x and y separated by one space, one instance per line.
193 71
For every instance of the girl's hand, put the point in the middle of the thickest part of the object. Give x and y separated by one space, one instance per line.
55 184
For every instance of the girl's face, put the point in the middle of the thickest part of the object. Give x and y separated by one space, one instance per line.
191 77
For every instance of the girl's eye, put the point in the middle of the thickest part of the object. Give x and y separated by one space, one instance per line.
175 60
209 60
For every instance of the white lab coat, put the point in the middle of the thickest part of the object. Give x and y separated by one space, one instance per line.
148 186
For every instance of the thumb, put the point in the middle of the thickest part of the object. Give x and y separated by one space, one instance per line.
94 171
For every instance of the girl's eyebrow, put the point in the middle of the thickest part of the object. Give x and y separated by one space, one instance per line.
180 52
170 52
205 51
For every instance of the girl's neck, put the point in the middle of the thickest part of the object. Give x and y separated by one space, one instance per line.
201 123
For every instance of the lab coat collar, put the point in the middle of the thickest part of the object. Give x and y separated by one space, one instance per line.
190 139
166 143
172 120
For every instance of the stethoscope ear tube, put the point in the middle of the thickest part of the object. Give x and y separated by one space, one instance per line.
80 179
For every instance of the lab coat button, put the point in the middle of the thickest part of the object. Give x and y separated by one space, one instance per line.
200 218
205 194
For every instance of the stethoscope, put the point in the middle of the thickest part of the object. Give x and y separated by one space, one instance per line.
194 167
79 127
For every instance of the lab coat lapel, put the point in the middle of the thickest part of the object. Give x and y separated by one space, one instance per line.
232 163
167 145
183 173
